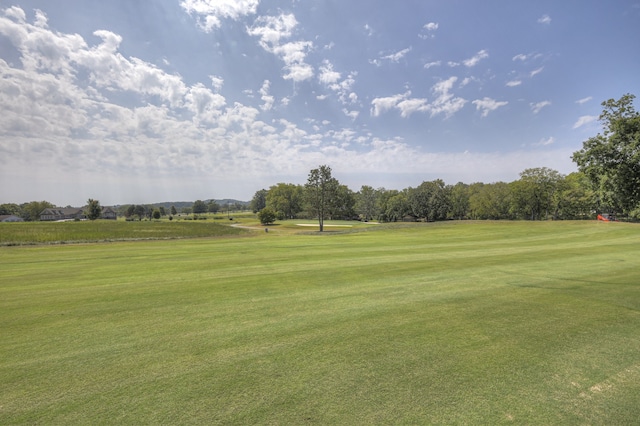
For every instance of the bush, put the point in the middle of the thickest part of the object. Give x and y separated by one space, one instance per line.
267 216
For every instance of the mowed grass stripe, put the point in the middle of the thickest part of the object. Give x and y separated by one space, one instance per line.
434 323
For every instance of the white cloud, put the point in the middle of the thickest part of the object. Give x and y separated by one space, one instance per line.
537 107
445 103
545 20
409 106
216 82
210 12
486 105
393 57
472 62
266 97
432 64
520 57
381 105
271 30
430 28
584 100
546 142
16 13
513 83
584 120
327 75
536 72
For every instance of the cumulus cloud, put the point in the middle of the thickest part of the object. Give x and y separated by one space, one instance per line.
432 64
487 105
428 30
381 105
265 96
584 120
272 30
513 83
210 12
473 61
444 102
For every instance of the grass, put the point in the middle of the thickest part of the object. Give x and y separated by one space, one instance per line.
108 230
446 323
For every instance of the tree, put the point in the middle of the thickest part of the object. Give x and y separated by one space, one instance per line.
198 207
534 194
213 207
31 211
173 211
397 206
286 199
320 190
611 160
459 200
342 203
162 210
267 216
429 200
259 201
140 211
367 203
576 199
10 209
156 214
490 201
94 211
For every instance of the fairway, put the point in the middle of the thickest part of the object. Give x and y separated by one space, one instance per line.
439 323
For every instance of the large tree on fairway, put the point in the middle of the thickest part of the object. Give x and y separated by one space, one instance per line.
94 210
611 160
320 191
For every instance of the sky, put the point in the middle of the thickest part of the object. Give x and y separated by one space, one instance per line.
177 100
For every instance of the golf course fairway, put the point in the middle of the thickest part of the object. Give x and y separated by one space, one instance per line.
430 323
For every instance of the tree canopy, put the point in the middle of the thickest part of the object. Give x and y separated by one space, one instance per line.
611 160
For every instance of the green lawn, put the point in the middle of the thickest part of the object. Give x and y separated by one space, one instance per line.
445 323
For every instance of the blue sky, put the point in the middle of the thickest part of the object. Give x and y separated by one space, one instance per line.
156 100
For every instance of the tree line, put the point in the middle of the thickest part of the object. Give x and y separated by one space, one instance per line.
540 193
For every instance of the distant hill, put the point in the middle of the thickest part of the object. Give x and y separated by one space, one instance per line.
181 204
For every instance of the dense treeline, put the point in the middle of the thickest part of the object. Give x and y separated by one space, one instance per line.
539 194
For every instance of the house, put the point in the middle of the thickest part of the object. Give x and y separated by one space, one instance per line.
108 213
10 218
57 213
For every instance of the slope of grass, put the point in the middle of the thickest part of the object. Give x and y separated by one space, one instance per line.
108 230
468 323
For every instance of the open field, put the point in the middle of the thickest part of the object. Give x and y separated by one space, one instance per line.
109 230
448 323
